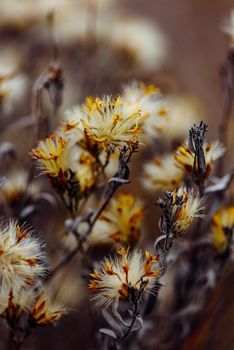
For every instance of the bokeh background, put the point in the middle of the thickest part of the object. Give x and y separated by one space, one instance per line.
191 50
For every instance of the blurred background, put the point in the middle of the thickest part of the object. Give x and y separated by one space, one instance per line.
177 45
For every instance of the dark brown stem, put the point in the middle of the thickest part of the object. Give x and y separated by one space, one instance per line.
201 188
134 317
101 209
12 344
71 254
66 259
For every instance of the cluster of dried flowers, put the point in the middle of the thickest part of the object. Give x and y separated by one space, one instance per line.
87 156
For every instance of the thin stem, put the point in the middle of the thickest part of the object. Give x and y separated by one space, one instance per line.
201 188
12 343
101 209
134 317
67 258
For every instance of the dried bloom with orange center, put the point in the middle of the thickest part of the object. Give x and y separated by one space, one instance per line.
45 310
148 100
109 125
72 170
21 258
59 159
184 111
185 207
162 174
52 155
85 168
187 161
71 127
123 277
15 304
222 227
12 88
139 39
120 222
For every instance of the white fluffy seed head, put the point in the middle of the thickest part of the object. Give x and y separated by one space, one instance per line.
115 278
120 223
150 102
189 207
21 258
162 174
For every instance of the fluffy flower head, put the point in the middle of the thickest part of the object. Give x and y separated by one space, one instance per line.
148 100
108 124
84 166
14 305
12 89
117 279
222 227
162 174
185 157
120 222
21 258
142 40
185 208
52 156
16 185
184 111
45 310
71 127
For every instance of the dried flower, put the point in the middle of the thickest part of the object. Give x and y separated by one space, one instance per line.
23 14
180 207
185 158
185 207
12 88
123 277
21 258
139 39
120 222
222 226
16 186
71 128
52 156
108 124
16 303
162 174
45 310
142 40
72 170
148 100
184 111
85 167
72 13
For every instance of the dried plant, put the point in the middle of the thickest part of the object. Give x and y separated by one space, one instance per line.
122 267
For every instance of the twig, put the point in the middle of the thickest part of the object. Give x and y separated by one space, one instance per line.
134 317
